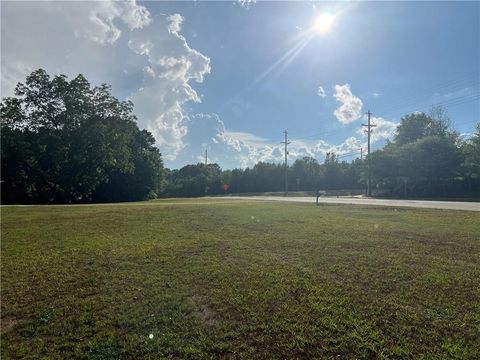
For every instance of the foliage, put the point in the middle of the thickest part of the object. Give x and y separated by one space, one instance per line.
194 180
471 152
64 141
426 158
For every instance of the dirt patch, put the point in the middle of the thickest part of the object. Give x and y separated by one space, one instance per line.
200 310
8 323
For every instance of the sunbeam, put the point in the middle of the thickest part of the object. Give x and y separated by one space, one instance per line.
284 60
280 65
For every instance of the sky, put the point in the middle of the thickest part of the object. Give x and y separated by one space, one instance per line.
232 76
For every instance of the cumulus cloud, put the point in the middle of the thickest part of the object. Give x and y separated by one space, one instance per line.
172 65
135 16
227 148
351 108
232 149
383 130
101 15
321 92
67 37
246 3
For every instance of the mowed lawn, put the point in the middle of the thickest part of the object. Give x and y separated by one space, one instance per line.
239 279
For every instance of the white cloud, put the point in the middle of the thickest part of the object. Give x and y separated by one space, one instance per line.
172 64
351 108
68 37
383 130
232 149
133 15
101 15
246 3
149 71
175 23
321 92
11 74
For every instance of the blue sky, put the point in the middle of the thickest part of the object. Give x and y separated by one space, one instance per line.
231 78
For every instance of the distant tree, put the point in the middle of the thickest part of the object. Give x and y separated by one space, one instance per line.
307 171
471 163
195 180
236 182
267 177
64 141
332 173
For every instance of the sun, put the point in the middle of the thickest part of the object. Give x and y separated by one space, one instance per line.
323 23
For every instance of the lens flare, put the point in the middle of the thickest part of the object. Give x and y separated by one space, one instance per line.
323 23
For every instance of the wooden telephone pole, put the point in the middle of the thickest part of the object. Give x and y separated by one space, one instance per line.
286 142
369 127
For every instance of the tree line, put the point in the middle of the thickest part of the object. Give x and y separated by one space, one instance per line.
68 142
426 158
305 174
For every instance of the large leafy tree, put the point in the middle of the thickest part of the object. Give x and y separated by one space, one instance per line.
424 159
471 164
65 141
417 125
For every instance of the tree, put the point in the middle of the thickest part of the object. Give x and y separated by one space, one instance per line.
195 180
471 163
418 125
424 158
332 173
307 171
64 141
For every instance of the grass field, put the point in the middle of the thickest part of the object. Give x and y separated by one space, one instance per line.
239 279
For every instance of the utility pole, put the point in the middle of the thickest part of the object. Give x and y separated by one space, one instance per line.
286 142
206 158
369 130
361 158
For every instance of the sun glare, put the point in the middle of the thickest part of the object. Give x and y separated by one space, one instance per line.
323 23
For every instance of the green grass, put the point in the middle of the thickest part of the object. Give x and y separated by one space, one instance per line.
239 279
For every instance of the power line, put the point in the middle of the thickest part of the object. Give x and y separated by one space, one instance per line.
467 122
408 107
449 103
459 100
456 85
459 83
348 154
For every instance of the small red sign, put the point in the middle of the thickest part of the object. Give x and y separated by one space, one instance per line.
226 187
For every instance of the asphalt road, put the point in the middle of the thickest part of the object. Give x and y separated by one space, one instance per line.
448 205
